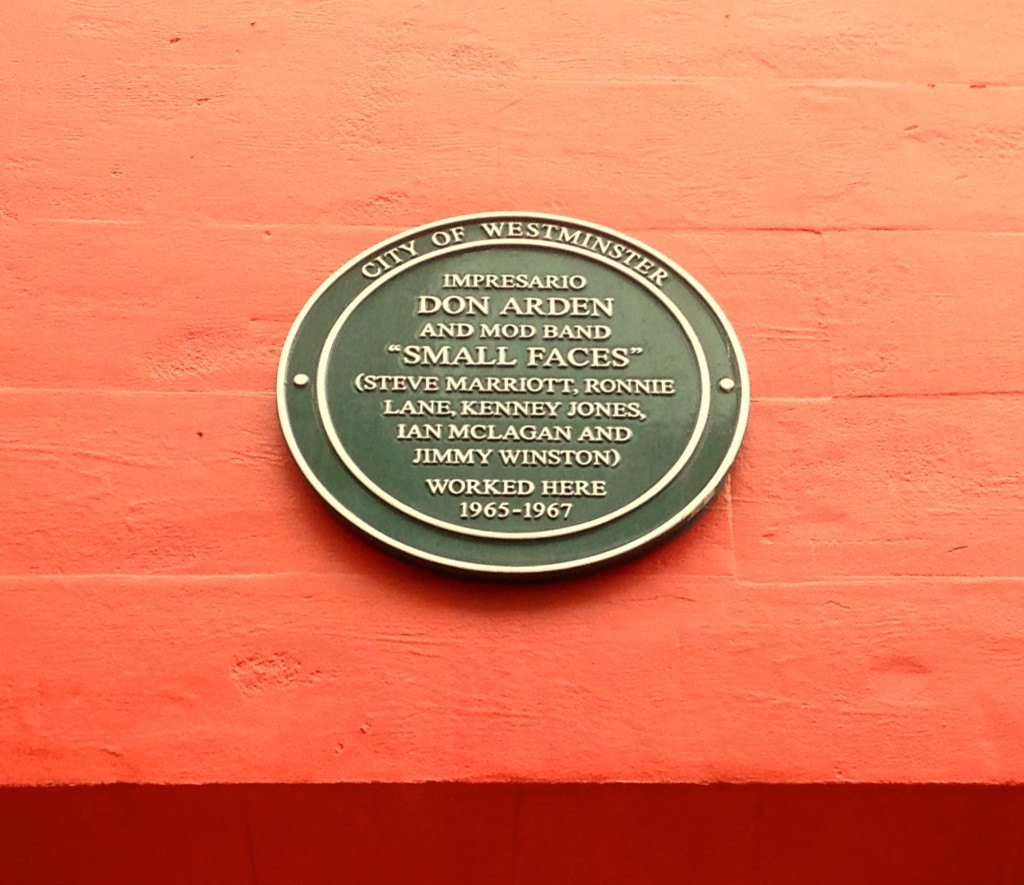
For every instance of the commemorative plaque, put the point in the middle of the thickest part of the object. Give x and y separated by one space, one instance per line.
513 394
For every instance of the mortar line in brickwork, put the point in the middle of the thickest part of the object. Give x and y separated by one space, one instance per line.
733 580
140 391
256 392
869 580
265 393
199 579
952 394
822 314
229 224
269 394
834 229
773 81
908 395
784 82
727 494
791 399
123 222
176 576
645 79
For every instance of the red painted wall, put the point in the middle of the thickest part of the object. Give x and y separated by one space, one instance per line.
846 179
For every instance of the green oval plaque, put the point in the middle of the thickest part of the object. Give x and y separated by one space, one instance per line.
513 394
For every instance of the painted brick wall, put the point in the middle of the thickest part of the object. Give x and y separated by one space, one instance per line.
847 179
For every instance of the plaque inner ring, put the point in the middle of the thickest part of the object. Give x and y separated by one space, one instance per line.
351 463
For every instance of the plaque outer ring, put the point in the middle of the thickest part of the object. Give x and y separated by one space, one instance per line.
299 445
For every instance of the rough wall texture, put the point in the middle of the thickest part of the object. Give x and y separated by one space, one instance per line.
845 178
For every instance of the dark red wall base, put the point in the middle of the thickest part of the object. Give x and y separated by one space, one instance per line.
502 834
